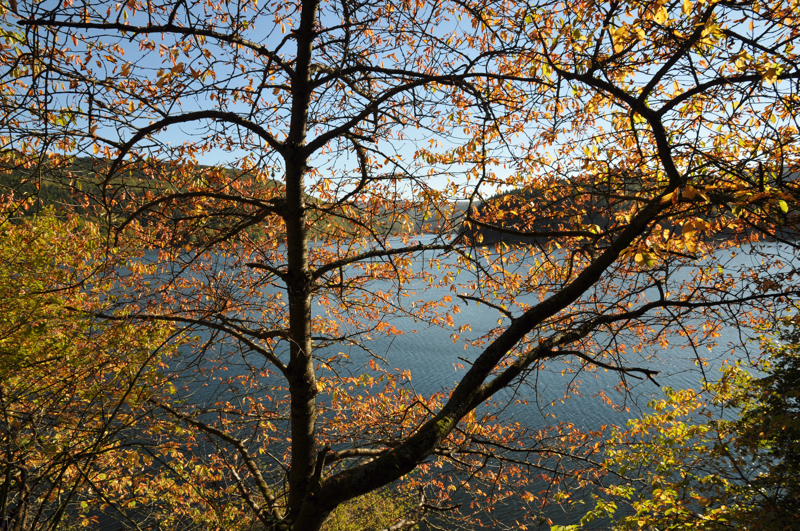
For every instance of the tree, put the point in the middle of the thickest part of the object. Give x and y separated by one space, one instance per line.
647 138
769 427
72 389
688 467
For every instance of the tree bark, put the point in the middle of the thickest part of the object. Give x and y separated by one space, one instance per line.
300 370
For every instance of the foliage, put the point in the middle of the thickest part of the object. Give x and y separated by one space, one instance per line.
71 387
674 123
372 511
685 467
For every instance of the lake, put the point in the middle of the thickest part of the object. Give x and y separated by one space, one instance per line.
433 357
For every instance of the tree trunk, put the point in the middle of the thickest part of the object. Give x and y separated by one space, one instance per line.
302 380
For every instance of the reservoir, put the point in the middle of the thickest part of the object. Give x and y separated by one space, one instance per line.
554 392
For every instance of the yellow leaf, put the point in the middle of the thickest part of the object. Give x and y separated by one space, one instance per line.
689 192
771 75
178 68
661 15
126 69
687 7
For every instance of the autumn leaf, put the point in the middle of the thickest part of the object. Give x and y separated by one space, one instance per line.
270 238
661 15
770 76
